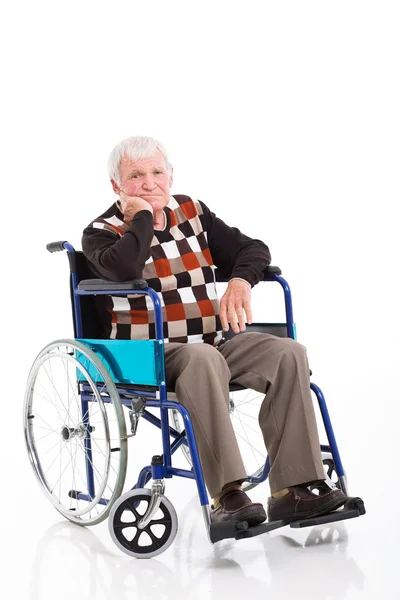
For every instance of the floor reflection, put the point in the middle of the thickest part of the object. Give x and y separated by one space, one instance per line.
192 568
80 551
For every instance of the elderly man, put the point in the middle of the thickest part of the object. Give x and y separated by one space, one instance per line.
175 243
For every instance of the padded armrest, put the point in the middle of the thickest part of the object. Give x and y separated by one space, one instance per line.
271 270
90 285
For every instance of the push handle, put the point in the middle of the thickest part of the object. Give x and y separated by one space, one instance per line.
56 246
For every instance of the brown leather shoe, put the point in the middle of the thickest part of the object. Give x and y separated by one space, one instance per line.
300 503
237 506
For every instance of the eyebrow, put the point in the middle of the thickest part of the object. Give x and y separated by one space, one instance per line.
139 172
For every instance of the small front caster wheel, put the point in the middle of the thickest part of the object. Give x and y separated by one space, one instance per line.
153 539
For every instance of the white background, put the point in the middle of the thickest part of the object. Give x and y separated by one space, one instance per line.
284 118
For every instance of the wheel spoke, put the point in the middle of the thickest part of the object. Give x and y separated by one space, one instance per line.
96 472
246 415
61 471
102 453
253 448
137 536
35 426
53 446
254 401
248 441
98 411
163 521
238 402
61 474
54 387
154 538
130 503
252 428
124 525
43 436
250 403
74 486
107 458
75 467
37 415
69 385
60 416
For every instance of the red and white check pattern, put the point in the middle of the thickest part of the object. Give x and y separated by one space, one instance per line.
180 269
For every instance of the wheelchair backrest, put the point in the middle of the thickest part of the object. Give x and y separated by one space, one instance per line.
91 324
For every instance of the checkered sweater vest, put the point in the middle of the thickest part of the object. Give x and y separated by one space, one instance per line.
181 271
178 263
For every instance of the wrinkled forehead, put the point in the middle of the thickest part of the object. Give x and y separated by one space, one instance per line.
150 162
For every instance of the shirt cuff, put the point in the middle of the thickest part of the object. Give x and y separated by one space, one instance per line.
240 279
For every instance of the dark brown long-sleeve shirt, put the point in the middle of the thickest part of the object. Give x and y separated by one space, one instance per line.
178 262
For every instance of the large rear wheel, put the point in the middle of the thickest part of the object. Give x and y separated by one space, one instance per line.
75 431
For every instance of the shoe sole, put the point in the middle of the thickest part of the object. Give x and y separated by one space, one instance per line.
255 520
252 518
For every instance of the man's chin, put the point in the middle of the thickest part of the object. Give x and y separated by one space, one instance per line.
157 203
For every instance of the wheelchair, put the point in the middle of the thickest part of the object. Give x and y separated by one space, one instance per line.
81 394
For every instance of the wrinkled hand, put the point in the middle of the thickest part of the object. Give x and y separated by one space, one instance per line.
235 305
130 205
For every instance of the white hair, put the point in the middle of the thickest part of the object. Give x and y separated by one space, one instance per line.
135 148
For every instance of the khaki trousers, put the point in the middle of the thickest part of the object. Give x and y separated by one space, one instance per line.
278 367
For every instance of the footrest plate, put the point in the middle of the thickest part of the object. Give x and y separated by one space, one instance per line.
240 530
259 529
354 507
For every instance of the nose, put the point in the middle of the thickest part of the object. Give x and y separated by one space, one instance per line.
148 181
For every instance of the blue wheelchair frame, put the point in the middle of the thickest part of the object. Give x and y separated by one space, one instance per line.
166 470
161 467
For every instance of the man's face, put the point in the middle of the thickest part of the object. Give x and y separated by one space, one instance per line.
147 178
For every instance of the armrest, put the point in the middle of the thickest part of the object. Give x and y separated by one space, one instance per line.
271 270
89 285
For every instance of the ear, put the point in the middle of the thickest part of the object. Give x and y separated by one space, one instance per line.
171 177
115 186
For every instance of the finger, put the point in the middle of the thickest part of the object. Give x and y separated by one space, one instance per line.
232 318
122 197
240 317
249 313
222 315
